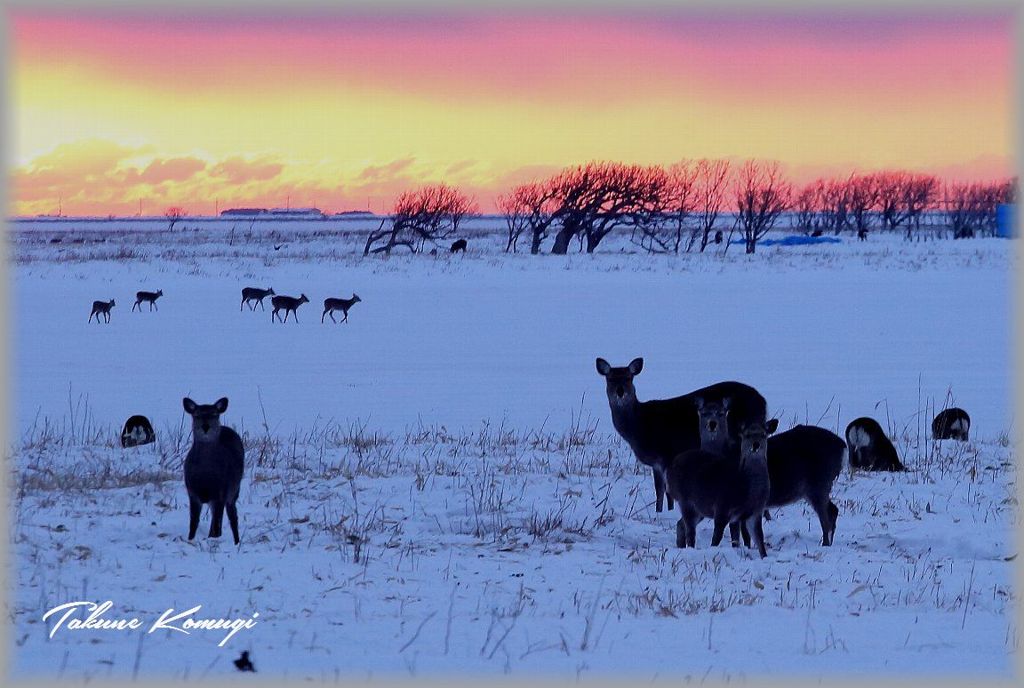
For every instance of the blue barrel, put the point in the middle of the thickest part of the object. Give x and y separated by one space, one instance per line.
1006 220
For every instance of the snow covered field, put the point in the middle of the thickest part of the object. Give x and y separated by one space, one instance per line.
435 487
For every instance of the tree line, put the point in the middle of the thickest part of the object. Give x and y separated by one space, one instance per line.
686 206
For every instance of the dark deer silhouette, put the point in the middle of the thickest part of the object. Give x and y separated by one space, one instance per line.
213 467
870 449
137 431
660 429
458 245
290 304
256 294
331 305
951 424
147 296
101 308
727 489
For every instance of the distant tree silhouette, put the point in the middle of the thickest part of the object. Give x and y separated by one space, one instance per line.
174 214
677 205
528 207
428 214
712 177
762 194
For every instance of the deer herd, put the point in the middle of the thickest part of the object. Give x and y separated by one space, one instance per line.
251 296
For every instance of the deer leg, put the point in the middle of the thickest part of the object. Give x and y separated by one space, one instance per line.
659 489
681 533
135 306
332 318
833 514
295 315
217 518
820 506
716 537
241 305
233 520
345 319
745 533
755 528
153 306
194 509
734 533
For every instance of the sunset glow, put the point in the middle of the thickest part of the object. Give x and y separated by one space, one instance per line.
345 111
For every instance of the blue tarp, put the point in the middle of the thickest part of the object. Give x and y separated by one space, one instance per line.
794 240
1006 221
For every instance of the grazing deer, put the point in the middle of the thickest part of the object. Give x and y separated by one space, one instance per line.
727 489
803 463
150 296
137 431
255 294
331 305
870 449
101 308
862 234
290 304
660 429
213 467
951 424
458 245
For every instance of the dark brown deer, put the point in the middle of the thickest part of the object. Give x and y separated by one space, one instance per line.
870 449
331 305
660 429
458 245
727 489
147 296
951 424
213 467
101 308
290 304
250 294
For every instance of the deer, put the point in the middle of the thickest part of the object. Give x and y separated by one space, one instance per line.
137 431
458 245
101 308
149 296
725 488
331 305
213 468
951 424
870 449
803 463
255 294
290 304
658 430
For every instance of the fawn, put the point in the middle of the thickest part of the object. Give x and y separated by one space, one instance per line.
213 467
101 308
150 296
331 305
290 304
255 294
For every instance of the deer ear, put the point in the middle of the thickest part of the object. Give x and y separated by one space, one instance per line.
772 425
221 405
725 403
602 367
636 365
699 403
190 406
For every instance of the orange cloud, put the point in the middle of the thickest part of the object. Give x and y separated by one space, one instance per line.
238 170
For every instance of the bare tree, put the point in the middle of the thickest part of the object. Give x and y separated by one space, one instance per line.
834 196
173 214
862 200
762 194
711 179
808 207
920 192
528 207
431 213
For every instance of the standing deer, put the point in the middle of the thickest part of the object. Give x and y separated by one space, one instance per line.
870 449
331 305
149 296
660 429
951 424
290 304
255 294
727 489
458 245
213 467
101 308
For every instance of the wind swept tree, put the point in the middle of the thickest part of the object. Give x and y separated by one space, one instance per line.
762 194
173 214
528 207
711 181
428 214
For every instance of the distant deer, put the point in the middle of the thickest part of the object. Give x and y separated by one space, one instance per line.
213 467
331 305
951 424
727 489
255 294
137 431
101 308
803 463
870 449
458 245
862 234
290 304
660 429
149 296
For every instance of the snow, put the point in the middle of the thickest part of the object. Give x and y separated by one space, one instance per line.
434 487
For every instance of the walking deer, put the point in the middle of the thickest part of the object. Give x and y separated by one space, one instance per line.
727 489
101 308
290 304
951 424
331 305
147 296
213 467
256 294
660 429
870 449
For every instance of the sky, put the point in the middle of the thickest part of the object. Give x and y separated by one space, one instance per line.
344 111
